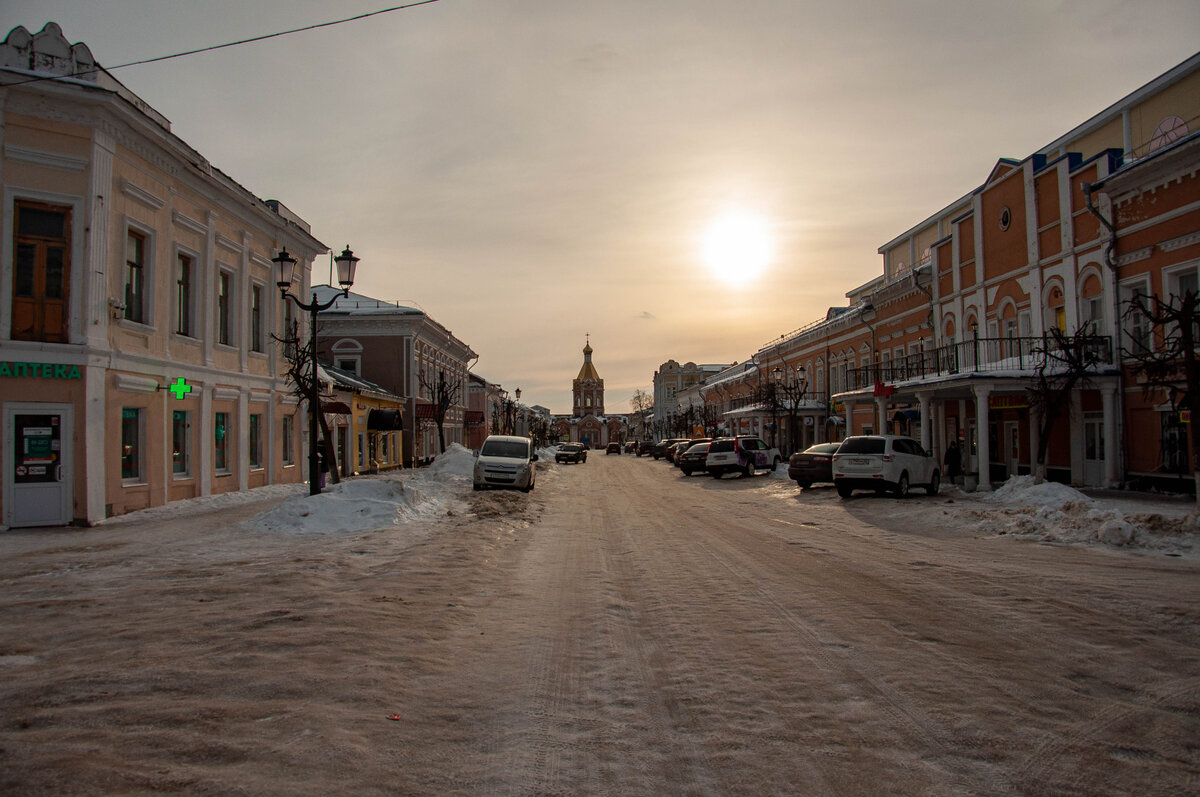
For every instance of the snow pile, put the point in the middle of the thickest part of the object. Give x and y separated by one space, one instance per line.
195 506
456 461
1057 513
356 505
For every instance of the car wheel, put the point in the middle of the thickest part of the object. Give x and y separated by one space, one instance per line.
845 490
775 464
803 485
716 474
476 487
748 471
935 483
902 486
686 471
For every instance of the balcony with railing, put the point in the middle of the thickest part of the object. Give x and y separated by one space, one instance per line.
975 356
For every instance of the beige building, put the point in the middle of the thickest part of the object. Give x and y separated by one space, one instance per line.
137 303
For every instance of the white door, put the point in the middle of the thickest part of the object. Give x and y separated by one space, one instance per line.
1012 446
37 464
1093 448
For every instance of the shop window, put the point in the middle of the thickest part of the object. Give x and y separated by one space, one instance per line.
180 450
256 458
221 432
41 273
136 253
132 436
289 443
1174 444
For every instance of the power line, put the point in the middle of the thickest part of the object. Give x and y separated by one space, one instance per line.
251 40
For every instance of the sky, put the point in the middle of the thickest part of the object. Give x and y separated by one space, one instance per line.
677 179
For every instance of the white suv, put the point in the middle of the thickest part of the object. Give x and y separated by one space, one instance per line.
884 462
505 461
742 455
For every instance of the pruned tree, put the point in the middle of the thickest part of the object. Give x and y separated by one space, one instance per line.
1064 363
298 355
444 395
1166 359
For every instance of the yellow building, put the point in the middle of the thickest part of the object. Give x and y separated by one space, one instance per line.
137 303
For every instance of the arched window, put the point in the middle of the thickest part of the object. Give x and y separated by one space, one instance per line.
1091 303
1056 314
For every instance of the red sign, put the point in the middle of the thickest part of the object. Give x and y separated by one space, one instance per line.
884 390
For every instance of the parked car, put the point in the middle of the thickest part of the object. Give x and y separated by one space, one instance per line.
645 447
613 448
679 448
505 461
630 446
884 462
814 464
660 448
743 455
571 452
692 459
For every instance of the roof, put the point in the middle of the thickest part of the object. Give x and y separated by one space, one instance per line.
588 371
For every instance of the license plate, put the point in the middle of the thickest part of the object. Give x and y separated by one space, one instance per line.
860 462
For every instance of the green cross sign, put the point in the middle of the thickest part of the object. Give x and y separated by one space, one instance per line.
180 388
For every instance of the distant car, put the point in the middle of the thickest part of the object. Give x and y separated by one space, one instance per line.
814 464
660 448
692 460
645 447
505 461
744 455
884 462
571 452
631 447
613 448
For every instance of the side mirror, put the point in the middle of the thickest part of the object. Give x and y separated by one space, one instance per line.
533 458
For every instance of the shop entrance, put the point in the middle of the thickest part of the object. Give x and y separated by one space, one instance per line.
37 464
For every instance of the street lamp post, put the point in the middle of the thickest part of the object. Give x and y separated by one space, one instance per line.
286 265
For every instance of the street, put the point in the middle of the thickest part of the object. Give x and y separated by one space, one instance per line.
621 630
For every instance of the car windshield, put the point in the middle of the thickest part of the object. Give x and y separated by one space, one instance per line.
823 448
573 447
512 449
862 445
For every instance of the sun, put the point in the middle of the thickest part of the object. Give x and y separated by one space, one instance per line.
736 247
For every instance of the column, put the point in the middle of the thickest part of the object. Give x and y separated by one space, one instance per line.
982 392
1108 397
927 442
1035 425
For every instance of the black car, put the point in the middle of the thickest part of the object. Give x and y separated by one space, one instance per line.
814 464
692 460
645 447
571 452
660 448
613 448
675 453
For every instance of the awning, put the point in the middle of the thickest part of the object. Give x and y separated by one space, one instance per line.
335 408
907 415
384 420
837 420
473 418
427 412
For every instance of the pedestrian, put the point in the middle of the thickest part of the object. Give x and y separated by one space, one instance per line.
953 462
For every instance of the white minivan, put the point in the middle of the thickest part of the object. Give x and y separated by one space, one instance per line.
505 461
882 462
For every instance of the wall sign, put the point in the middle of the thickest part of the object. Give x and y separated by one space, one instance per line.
40 370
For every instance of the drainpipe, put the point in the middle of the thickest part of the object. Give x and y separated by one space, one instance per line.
1110 261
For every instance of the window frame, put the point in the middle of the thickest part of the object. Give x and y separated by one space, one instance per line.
184 307
38 301
184 453
138 428
222 451
255 440
225 333
257 308
143 300
288 441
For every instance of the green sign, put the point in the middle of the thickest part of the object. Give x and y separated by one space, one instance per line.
180 388
40 370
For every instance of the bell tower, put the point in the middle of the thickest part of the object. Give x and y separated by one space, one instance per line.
588 388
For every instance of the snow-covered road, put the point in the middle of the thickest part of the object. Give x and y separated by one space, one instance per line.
620 630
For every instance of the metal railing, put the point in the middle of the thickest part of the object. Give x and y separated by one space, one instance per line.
974 355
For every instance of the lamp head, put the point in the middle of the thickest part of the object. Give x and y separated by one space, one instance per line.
346 265
285 269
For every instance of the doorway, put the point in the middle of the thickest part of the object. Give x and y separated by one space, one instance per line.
1012 446
38 468
1093 448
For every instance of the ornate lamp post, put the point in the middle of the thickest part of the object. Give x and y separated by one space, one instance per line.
286 265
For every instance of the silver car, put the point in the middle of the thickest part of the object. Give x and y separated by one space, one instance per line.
884 462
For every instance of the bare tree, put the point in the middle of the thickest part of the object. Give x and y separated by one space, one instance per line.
445 394
1172 366
298 355
1065 362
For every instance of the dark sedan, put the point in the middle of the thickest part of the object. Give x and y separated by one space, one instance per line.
645 447
692 460
571 452
814 464
660 448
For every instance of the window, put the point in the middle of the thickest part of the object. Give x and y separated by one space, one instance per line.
41 273
183 295
383 447
256 459
291 330
1137 324
362 450
180 431
256 315
224 322
135 277
131 444
221 432
289 445
350 366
